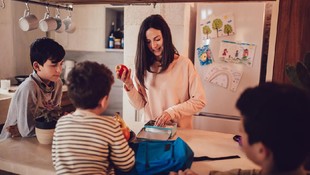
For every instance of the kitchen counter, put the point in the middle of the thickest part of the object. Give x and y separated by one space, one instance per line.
27 156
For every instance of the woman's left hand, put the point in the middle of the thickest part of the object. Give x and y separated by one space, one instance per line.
162 120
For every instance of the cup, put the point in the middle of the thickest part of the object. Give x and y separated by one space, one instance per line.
60 26
48 23
28 21
5 84
69 25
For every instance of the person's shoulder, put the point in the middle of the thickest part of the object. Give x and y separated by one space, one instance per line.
183 60
28 85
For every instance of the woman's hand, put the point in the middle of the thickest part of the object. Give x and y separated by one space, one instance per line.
125 78
162 120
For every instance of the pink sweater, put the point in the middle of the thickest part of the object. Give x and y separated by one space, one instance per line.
177 91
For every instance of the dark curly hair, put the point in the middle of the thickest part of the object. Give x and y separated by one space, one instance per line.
88 82
278 115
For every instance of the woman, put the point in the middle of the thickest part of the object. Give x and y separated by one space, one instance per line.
167 85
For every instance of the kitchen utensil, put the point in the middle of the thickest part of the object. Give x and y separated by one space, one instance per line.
5 84
28 21
202 158
20 78
68 65
48 23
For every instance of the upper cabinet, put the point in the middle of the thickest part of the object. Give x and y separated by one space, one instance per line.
93 23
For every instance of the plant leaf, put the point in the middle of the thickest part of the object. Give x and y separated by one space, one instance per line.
292 75
303 74
307 60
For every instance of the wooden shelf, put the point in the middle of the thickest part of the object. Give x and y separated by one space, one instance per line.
114 50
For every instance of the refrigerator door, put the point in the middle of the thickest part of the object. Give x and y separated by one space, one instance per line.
237 28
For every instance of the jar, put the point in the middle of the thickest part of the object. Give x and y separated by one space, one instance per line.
117 43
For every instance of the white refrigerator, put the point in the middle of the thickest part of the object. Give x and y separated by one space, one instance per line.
228 56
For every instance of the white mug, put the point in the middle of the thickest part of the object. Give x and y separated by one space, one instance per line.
48 23
5 84
28 21
69 25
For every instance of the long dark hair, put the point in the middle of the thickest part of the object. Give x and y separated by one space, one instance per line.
144 57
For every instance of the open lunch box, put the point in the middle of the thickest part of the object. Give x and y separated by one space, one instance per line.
151 132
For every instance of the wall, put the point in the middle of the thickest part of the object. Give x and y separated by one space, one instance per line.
14 43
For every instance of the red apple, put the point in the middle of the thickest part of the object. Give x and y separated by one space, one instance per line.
121 68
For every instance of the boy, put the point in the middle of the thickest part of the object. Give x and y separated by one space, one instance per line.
274 129
85 142
42 90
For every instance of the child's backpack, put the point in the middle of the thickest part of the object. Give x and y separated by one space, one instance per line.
160 157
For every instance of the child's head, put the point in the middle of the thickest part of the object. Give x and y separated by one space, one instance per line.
44 49
275 125
46 57
88 83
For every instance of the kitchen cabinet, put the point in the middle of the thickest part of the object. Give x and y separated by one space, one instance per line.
92 27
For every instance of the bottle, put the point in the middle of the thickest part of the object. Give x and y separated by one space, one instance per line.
111 42
122 43
112 30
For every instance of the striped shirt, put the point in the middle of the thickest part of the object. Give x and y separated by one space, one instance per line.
85 143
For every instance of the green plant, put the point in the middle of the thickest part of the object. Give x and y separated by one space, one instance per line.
299 74
50 115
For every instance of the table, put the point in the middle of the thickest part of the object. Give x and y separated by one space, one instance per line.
27 156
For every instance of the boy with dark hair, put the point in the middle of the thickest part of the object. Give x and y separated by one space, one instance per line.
274 129
85 142
41 91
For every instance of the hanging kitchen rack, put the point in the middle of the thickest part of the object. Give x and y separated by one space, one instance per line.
2 4
66 6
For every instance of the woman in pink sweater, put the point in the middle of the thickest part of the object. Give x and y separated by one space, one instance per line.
166 85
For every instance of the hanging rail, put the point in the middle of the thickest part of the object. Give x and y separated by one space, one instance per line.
66 7
2 5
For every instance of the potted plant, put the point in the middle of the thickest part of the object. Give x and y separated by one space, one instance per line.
45 124
299 75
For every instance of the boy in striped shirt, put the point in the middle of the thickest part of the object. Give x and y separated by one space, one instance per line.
85 142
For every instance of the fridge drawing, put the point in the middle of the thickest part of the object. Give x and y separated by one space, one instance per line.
236 52
217 26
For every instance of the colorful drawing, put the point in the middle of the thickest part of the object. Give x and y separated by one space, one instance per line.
205 55
238 53
219 26
224 76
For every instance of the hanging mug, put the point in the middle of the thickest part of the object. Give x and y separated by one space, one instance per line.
48 23
28 21
69 25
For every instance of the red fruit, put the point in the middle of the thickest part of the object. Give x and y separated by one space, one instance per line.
121 68
126 133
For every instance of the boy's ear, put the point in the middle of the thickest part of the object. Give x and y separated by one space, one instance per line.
36 66
262 152
104 101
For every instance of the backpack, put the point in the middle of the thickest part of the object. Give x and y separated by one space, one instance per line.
160 157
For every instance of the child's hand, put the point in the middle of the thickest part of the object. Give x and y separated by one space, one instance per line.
13 130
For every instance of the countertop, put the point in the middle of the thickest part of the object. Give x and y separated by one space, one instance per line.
27 156
4 94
